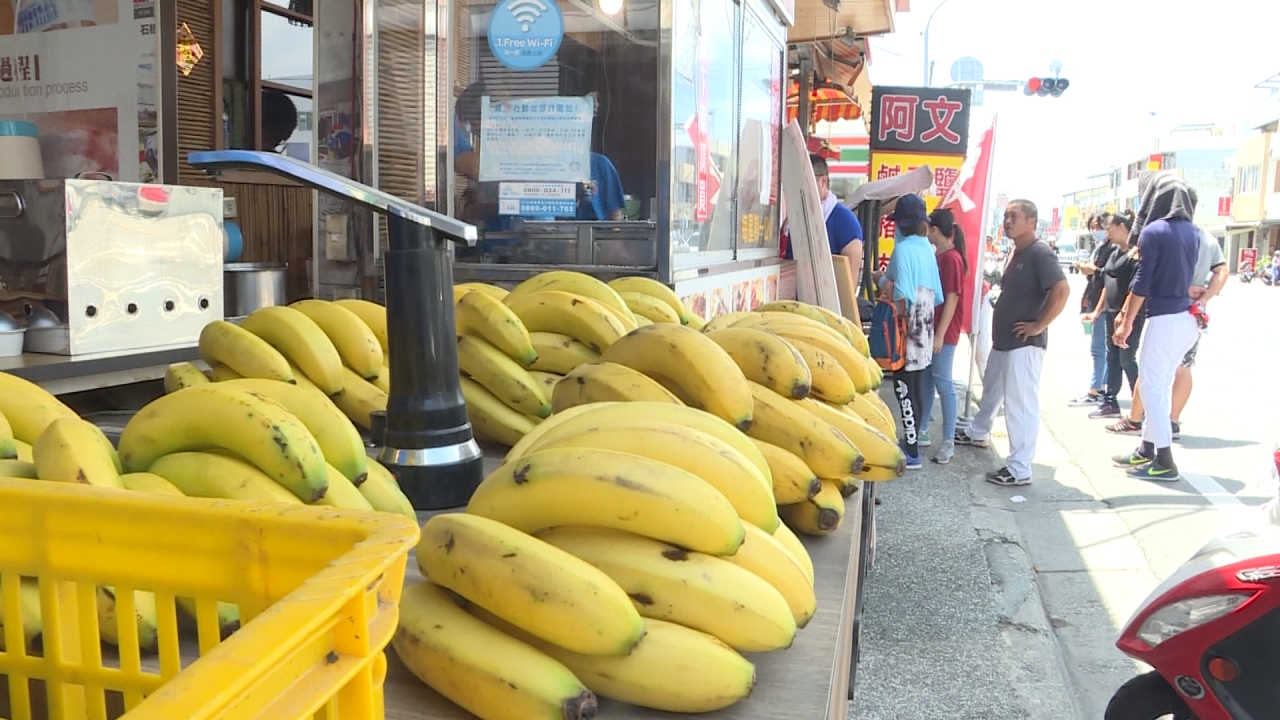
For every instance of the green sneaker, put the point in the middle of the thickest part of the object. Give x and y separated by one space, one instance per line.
922 439
1153 471
1133 459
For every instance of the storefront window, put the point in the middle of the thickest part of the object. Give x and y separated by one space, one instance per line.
758 143
704 136
268 105
556 111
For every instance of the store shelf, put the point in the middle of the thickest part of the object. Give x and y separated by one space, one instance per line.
61 374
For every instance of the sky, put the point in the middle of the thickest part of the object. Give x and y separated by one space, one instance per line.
1126 59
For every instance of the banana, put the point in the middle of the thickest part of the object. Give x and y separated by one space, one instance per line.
339 441
226 344
769 560
548 382
820 315
74 450
822 337
459 293
766 359
24 451
359 398
796 549
253 427
691 366
875 399
871 473
8 443
794 307
531 584
577 316
819 515
149 483
31 614
502 376
225 615
576 283
862 407
482 315
28 409
848 484
610 414
383 381
300 339
492 291
183 374
877 450
642 321
144 613
793 481
603 488
830 381
479 668
792 427
18 469
695 321
491 419
650 308
210 475
383 493
372 314
726 320
698 453
356 344
607 382
787 319
654 289
559 353
343 494
222 373
700 591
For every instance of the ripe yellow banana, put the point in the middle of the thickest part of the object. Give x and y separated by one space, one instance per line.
654 289
642 321
339 441
795 307
13 468
149 483
819 515
535 586
875 399
695 321
211 475
849 484
607 382
726 320
766 359
650 308
769 560
356 344
691 366
300 339
826 339
492 291
576 283
383 493
871 473
8 443
358 399
223 343
491 419
75 451
24 451
28 408
877 449
793 481
796 549
144 617
790 426
373 315
603 488
830 381
577 316
480 668
548 381
343 494
222 373
703 455
700 591
183 374
29 609
559 353
383 381
253 427
862 406
484 316
502 376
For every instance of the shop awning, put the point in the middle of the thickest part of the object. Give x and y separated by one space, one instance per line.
826 102
815 20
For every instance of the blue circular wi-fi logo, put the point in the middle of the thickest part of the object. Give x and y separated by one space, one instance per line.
525 34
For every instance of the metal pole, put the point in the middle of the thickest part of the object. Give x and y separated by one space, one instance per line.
927 74
805 87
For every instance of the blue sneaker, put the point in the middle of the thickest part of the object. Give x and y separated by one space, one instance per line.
913 462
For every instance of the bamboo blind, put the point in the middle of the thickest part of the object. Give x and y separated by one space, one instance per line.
197 116
276 223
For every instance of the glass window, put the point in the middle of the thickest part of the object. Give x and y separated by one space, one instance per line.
270 109
287 53
758 143
704 133
546 132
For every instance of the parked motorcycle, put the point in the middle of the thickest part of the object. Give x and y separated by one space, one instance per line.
1246 273
1211 631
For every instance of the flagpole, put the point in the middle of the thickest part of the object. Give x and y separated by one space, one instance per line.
975 312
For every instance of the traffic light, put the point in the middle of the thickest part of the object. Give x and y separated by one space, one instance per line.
1046 86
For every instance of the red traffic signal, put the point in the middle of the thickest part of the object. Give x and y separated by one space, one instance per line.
1046 86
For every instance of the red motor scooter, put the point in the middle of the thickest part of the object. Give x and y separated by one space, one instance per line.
1212 633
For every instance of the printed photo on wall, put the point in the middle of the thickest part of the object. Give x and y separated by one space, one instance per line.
771 288
696 302
18 17
721 302
742 296
74 143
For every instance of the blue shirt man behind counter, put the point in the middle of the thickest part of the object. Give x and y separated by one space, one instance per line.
844 232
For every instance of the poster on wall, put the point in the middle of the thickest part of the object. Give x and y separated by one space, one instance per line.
946 170
740 291
540 139
83 71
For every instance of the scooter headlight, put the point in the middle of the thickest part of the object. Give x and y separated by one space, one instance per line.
1179 617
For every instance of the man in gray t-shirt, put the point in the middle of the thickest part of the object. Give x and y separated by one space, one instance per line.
1208 261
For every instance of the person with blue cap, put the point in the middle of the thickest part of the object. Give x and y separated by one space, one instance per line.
913 270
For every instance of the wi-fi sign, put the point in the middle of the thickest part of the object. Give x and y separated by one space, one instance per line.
526 12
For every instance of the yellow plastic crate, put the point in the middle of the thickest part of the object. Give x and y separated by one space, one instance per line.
318 591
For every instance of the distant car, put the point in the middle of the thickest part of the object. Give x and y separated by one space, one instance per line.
1068 256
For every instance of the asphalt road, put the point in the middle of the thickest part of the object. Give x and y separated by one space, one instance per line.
1004 603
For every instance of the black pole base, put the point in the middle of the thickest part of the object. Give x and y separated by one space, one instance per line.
437 486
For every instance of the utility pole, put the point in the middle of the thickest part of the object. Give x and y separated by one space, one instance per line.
927 69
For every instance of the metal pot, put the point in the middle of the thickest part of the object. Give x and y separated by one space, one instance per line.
249 286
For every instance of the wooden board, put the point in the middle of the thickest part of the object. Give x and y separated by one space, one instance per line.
847 288
815 278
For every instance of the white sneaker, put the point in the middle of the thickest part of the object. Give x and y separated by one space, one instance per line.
945 452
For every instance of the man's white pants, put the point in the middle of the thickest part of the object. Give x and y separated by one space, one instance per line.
1165 340
983 337
1012 378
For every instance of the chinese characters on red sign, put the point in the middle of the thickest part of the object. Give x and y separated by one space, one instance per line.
21 68
923 120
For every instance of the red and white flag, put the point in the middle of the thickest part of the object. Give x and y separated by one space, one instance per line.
967 198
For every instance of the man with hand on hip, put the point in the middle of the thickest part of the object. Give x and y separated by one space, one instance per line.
1033 293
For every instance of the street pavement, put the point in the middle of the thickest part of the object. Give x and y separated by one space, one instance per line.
998 603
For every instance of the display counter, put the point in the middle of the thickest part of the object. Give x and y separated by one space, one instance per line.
62 374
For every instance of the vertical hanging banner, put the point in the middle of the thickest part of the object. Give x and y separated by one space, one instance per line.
968 199
912 127
702 144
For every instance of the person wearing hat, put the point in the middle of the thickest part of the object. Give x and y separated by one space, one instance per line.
913 270
1033 293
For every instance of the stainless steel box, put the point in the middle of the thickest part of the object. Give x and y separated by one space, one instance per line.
121 266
